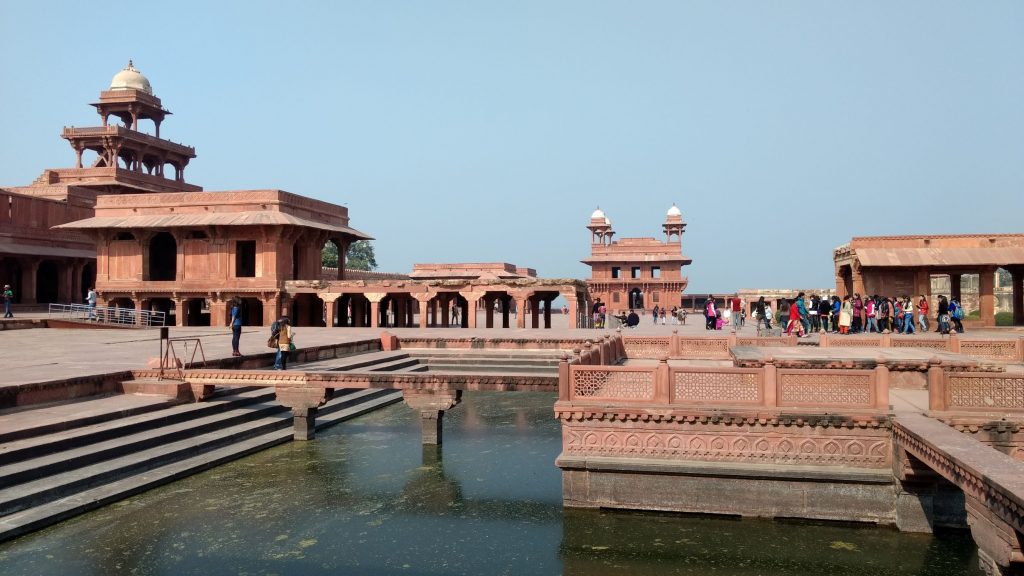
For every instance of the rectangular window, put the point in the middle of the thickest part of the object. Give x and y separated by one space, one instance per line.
245 259
636 271
616 272
615 297
655 271
657 295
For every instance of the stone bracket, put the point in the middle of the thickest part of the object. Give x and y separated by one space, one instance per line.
431 405
303 403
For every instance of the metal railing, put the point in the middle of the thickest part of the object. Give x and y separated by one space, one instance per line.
104 315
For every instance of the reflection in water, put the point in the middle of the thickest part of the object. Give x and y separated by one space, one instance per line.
367 498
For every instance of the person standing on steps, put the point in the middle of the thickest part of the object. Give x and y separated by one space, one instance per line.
236 325
90 299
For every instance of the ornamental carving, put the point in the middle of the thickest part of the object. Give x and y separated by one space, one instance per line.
848 389
843 342
704 347
915 343
717 386
646 347
994 350
994 392
610 384
721 446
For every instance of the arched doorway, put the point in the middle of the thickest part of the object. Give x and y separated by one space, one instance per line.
197 313
163 257
47 282
636 299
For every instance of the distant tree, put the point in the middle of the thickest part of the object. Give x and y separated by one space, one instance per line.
361 257
329 257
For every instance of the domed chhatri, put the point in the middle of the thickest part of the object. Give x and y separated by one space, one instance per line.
674 211
131 79
598 214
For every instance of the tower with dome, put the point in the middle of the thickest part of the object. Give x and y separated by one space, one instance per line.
637 273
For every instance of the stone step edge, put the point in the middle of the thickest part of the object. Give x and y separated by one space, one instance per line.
90 434
76 457
48 488
39 517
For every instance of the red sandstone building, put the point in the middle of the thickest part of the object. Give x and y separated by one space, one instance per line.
45 265
906 265
638 273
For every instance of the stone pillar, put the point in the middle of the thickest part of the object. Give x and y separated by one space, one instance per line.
489 311
29 271
374 314
506 304
936 386
138 309
999 546
547 312
521 312
954 286
333 311
1017 276
179 311
986 296
445 311
77 292
469 318
303 403
431 405
64 283
535 312
423 313
218 310
573 311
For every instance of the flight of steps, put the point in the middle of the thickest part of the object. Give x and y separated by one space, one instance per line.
60 469
487 361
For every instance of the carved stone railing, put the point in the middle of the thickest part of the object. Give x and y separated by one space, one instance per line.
695 347
988 392
702 387
1004 350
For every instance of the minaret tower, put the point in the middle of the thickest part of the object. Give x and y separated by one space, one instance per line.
600 228
674 225
125 155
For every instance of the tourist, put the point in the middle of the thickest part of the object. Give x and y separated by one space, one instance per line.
285 343
908 315
762 312
812 312
596 313
956 313
682 315
90 300
794 319
922 313
801 309
846 315
857 322
633 320
725 315
602 314
455 315
942 315
8 301
884 307
710 314
655 314
236 325
836 311
662 316
824 308
675 316
870 315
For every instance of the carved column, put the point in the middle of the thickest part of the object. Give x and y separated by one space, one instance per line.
521 312
986 296
489 311
29 271
572 299
431 405
179 310
547 312
218 310
423 312
375 298
1017 277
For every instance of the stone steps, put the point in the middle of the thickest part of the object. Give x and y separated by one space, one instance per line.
479 368
54 476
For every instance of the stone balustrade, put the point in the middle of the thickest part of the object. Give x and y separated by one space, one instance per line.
975 392
696 347
1004 350
694 386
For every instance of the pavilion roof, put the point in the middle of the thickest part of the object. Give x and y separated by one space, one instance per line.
909 257
196 220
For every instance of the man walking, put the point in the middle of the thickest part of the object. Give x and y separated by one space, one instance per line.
8 301
90 299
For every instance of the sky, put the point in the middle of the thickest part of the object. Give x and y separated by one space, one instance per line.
489 131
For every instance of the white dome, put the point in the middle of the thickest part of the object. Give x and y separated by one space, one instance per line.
607 220
597 215
674 211
130 79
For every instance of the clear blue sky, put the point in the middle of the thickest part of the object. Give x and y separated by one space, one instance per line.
485 131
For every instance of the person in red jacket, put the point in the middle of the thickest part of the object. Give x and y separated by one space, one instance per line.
794 320
922 313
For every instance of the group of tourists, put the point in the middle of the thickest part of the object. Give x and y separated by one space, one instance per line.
855 314
675 316
716 319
